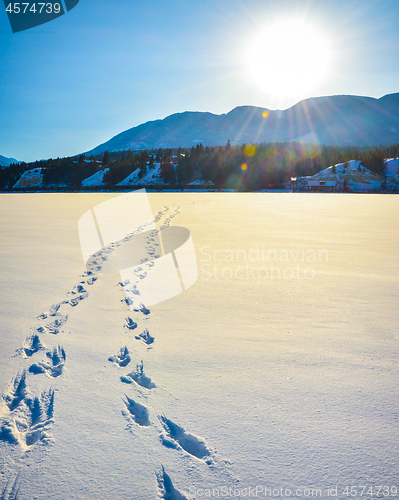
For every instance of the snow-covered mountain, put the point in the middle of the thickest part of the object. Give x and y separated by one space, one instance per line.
335 120
5 162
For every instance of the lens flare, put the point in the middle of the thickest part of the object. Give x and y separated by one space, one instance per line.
249 150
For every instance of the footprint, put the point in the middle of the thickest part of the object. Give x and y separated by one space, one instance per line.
17 392
40 416
176 437
77 289
132 290
127 300
29 423
52 311
91 278
54 366
11 493
86 274
122 358
76 300
97 259
130 324
166 490
31 345
137 412
8 431
139 377
53 327
143 309
145 337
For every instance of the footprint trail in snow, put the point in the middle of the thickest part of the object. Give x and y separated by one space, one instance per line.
27 418
172 435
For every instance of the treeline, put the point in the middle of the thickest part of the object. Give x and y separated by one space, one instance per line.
246 167
121 167
66 171
60 171
253 167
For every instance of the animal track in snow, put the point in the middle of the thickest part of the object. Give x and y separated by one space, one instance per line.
31 345
76 300
126 283
17 392
176 437
52 311
166 490
133 288
161 213
122 358
168 220
76 290
54 327
90 278
54 366
145 337
26 419
137 412
78 294
130 324
28 423
139 377
143 310
127 300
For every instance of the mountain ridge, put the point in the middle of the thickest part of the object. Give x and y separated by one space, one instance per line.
331 120
5 162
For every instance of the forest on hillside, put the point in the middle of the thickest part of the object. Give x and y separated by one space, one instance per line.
248 167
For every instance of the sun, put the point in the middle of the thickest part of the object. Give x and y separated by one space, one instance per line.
289 58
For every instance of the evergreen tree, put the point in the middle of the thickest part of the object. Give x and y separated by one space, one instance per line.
105 159
168 172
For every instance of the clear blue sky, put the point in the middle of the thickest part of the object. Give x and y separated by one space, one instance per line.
109 65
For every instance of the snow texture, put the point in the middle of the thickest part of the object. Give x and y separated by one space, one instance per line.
30 178
96 179
278 368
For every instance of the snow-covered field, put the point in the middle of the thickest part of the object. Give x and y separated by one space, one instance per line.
276 370
30 178
96 179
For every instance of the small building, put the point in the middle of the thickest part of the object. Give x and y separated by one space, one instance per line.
315 185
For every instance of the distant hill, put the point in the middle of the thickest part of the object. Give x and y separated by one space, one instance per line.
341 120
4 162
